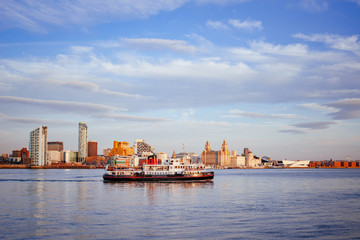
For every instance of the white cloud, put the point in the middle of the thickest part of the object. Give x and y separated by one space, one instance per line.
248 55
286 50
88 86
314 5
121 94
221 2
88 109
34 15
76 84
81 49
246 24
240 113
345 43
318 107
175 69
69 71
160 44
260 72
6 118
348 108
188 113
292 131
314 125
216 24
67 106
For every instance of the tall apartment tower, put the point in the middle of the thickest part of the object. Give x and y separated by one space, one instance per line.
38 147
83 142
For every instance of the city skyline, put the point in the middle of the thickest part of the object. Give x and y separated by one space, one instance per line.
278 77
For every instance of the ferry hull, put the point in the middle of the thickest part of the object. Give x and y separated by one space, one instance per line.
155 178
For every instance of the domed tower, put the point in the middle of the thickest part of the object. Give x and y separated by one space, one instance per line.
224 147
224 159
207 147
208 157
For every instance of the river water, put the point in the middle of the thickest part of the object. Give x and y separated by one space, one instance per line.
237 204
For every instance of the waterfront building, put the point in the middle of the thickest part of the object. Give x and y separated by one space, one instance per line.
121 149
294 164
55 152
335 164
38 146
70 156
106 152
55 156
208 156
83 142
141 148
224 156
55 146
92 148
122 161
237 161
216 158
25 159
14 159
190 157
251 160
16 153
19 156
162 156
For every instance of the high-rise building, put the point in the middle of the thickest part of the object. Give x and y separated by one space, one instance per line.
142 148
38 146
92 148
83 142
246 151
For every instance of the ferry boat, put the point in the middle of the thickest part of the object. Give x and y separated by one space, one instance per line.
168 170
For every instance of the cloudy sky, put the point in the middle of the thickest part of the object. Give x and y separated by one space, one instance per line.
279 77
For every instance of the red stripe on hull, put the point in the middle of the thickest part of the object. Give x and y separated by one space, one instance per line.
157 178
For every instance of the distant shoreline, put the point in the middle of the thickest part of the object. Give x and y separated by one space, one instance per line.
21 166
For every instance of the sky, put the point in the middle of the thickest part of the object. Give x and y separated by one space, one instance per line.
281 77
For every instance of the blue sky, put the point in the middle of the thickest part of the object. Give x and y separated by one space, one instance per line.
278 77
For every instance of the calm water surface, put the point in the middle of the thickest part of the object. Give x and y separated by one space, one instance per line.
246 204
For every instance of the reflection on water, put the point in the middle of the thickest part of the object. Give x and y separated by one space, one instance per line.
155 190
162 185
249 204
